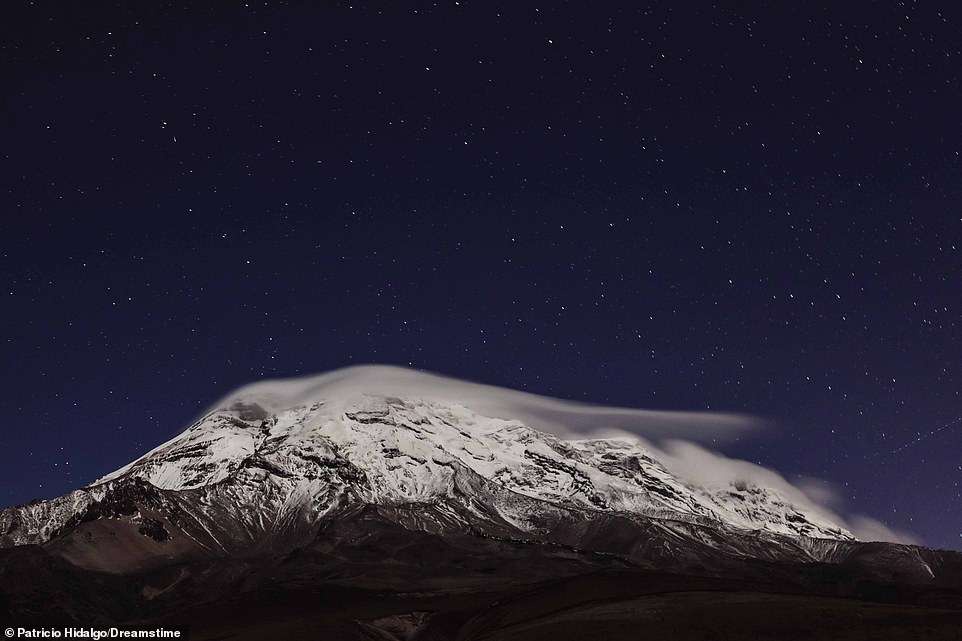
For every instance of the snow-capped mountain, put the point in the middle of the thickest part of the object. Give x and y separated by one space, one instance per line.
410 451
259 468
387 504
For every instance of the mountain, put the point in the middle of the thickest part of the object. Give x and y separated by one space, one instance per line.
349 487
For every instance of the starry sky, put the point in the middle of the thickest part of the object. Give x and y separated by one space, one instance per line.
739 206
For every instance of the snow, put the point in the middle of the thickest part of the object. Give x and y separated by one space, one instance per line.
405 448
274 455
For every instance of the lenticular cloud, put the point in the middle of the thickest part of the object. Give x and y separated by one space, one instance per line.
677 439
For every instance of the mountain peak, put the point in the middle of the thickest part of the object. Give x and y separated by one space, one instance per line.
271 463
408 449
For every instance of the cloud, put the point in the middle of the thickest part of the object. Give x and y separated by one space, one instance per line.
868 529
820 491
567 419
677 439
816 497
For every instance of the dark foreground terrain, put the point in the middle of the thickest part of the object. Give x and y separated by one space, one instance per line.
370 578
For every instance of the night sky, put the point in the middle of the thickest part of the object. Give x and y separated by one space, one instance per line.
751 207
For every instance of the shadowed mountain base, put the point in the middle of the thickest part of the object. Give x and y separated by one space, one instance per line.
366 576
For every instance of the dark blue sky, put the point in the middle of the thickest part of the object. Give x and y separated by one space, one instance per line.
748 206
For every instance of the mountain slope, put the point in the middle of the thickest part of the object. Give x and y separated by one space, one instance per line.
269 472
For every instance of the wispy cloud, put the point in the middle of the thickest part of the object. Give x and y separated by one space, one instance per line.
679 440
